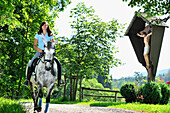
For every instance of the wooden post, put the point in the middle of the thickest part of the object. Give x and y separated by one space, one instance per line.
71 97
65 86
115 96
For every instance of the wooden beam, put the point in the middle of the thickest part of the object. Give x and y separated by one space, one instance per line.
100 96
100 89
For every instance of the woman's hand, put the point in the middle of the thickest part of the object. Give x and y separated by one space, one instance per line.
39 50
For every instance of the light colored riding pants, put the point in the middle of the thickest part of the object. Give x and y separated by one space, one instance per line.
35 56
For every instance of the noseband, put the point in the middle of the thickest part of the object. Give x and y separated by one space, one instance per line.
45 61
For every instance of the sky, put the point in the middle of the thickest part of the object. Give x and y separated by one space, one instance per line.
117 9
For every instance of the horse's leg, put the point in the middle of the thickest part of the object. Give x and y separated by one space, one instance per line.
48 97
32 91
36 101
39 93
40 100
33 94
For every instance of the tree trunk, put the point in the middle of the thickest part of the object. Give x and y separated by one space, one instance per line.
71 99
80 89
75 89
73 86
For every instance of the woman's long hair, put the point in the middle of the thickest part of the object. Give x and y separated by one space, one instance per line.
48 29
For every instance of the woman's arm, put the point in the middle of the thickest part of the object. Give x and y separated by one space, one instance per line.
35 46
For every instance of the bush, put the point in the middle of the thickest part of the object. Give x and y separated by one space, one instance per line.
139 94
128 92
165 93
62 99
151 93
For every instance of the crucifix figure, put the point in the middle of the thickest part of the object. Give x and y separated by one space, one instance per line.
146 34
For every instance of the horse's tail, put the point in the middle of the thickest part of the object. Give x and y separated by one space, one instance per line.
59 69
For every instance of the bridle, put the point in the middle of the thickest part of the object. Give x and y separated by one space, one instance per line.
45 61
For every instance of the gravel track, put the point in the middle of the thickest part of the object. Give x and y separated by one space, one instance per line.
71 108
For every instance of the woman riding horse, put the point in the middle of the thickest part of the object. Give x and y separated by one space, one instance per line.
46 32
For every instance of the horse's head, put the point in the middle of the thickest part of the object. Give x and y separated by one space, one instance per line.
49 53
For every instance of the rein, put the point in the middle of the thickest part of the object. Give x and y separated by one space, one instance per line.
45 61
50 61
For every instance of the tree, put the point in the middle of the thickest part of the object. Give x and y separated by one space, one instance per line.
103 80
152 7
91 47
20 21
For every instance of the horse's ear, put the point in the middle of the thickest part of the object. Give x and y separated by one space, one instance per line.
56 41
45 41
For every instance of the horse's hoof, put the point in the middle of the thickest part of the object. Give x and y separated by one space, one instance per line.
39 109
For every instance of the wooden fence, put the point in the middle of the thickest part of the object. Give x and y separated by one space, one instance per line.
83 88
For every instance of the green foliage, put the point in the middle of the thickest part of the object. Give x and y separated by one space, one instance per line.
165 91
90 49
151 93
149 108
139 93
139 79
9 106
151 7
62 99
92 83
128 92
104 81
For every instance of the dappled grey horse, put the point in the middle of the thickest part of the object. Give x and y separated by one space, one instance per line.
46 73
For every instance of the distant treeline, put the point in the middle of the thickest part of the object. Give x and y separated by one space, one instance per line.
117 83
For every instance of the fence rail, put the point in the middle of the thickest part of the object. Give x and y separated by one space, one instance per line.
83 88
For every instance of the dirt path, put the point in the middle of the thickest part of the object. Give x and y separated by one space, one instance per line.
71 108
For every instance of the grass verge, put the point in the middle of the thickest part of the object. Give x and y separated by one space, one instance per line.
9 106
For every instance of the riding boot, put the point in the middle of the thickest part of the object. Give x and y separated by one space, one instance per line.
29 73
59 73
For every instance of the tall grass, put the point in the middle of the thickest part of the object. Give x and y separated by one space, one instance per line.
10 106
